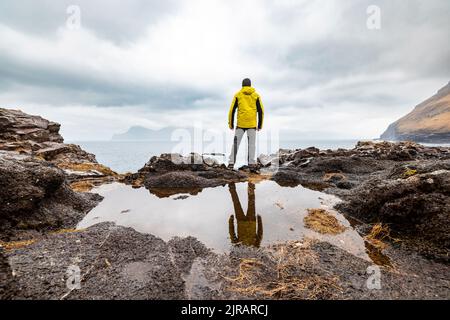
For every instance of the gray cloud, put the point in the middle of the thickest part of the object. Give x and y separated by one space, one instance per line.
55 86
111 19
304 56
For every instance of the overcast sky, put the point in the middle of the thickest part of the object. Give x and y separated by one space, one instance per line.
318 67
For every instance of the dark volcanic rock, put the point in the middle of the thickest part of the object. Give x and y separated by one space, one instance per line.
348 165
35 168
413 199
292 178
179 180
400 151
34 196
119 263
403 185
114 263
7 283
169 162
326 171
356 165
173 171
377 150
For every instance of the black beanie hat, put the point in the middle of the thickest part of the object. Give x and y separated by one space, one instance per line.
246 82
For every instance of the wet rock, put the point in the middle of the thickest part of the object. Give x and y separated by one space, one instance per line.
334 177
192 179
399 151
179 180
404 185
359 159
287 177
174 162
173 171
347 185
185 250
119 263
34 196
408 169
114 263
306 153
8 287
345 165
292 178
329 171
340 171
354 275
415 206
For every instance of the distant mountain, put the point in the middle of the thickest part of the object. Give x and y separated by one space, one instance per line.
428 122
142 133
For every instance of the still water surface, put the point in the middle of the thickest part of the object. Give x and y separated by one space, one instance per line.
244 213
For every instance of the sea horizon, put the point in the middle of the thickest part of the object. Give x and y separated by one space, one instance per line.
131 155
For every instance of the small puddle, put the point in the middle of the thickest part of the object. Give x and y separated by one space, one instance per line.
253 214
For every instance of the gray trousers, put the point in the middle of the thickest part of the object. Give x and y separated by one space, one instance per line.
251 135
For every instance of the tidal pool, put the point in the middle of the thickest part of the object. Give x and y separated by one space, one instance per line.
252 214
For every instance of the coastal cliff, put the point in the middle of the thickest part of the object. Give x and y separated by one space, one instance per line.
429 122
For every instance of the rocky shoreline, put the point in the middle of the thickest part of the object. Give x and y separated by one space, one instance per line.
402 187
38 176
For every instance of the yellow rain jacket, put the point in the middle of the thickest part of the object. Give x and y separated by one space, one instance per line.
250 110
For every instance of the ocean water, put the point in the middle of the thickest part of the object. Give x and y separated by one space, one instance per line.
130 156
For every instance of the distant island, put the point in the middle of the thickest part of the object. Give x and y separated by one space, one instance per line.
429 122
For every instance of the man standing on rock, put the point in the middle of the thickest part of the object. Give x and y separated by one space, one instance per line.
250 117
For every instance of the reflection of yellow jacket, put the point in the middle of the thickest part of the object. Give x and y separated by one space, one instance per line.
250 110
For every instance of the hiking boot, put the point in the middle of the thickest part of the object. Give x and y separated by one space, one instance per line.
253 168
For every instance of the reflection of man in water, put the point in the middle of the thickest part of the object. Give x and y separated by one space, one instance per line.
249 227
